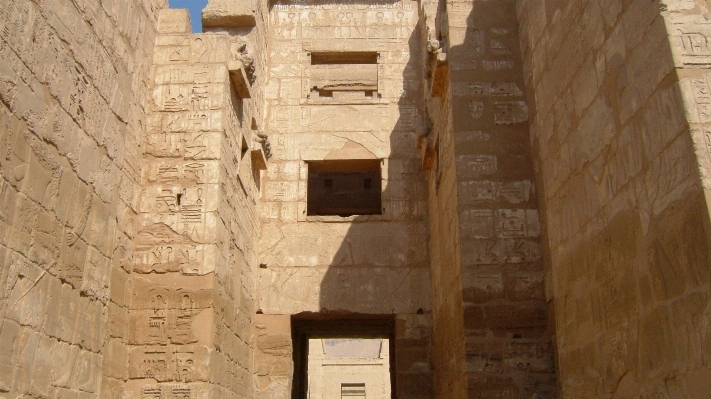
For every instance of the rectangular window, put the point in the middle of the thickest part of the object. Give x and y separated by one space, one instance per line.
343 75
344 187
352 390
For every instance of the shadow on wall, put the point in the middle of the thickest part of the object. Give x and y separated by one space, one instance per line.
508 334
382 264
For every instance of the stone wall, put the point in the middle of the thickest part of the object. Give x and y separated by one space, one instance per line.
496 335
73 115
625 207
368 264
192 299
438 148
155 238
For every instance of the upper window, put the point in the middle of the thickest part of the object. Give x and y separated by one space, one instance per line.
344 188
343 75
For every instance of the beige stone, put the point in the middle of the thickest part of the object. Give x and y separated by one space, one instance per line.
539 224
229 14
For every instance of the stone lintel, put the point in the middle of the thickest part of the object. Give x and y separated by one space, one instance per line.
440 71
239 79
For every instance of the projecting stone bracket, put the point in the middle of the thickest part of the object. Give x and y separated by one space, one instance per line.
428 152
440 71
239 79
261 150
259 158
438 66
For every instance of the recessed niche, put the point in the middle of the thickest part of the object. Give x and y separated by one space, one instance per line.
343 76
344 188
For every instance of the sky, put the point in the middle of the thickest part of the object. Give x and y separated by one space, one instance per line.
195 7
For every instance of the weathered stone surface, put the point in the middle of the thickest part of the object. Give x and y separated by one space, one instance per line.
156 236
229 14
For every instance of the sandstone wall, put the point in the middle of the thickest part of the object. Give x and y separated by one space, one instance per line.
625 207
448 322
73 114
496 334
448 355
192 300
374 264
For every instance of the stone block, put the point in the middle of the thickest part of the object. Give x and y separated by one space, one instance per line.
9 335
229 14
174 21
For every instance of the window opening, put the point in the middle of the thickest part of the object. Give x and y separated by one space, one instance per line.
343 75
344 188
353 390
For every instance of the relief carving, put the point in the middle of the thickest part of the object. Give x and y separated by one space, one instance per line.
161 315
170 363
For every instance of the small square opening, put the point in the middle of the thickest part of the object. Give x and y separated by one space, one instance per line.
344 188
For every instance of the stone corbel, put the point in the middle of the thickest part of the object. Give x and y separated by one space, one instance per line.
261 150
439 67
440 71
239 79
427 149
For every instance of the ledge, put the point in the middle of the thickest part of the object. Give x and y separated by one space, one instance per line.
440 71
239 79
259 159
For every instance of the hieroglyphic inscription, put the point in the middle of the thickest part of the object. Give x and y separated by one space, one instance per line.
701 106
171 391
473 166
187 259
315 22
693 44
169 363
161 315
472 192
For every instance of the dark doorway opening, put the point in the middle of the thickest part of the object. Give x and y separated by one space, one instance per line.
309 326
344 187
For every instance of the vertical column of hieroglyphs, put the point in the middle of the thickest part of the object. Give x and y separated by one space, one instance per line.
509 349
368 264
74 78
185 286
244 150
176 252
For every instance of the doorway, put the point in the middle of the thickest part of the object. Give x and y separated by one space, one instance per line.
344 357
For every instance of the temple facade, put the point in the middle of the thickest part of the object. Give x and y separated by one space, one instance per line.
511 196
